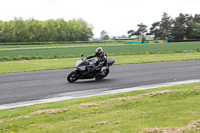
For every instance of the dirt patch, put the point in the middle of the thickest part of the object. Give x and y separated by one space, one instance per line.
140 96
48 111
124 98
197 87
15 118
103 123
2 121
192 126
106 123
156 93
117 122
86 105
192 112
20 117
72 127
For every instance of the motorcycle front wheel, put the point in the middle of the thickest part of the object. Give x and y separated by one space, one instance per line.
106 72
72 77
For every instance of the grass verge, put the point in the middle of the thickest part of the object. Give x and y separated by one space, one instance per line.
48 64
74 50
166 109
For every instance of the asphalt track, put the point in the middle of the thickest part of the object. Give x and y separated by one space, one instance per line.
28 86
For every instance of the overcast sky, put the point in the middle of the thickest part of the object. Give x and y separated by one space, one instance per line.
114 16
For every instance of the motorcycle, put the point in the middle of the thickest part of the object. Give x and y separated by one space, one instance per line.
85 70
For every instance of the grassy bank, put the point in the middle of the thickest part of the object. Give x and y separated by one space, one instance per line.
151 110
34 65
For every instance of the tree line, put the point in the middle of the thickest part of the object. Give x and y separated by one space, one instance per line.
19 30
184 26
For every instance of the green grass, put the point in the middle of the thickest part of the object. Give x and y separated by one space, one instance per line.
52 52
176 108
57 45
49 64
61 42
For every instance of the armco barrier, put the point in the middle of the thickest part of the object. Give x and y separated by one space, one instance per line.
145 41
140 42
155 41
134 42
151 41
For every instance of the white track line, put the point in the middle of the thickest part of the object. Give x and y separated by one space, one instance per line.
89 93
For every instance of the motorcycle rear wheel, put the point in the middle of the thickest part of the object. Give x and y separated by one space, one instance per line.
72 77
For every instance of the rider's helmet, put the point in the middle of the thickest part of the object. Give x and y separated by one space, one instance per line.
99 51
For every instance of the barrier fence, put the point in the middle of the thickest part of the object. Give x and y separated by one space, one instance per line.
146 42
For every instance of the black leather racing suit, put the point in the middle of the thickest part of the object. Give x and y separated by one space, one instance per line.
102 60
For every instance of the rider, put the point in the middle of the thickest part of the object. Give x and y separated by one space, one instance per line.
102 60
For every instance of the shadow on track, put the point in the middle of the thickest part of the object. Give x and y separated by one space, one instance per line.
91 81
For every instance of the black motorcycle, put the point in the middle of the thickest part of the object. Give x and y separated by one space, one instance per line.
85 70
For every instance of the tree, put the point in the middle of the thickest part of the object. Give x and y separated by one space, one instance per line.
18 30
155 30
123 36
32 30
193 30
179 27
104 35
197 18
114 37
2 36
141 30
85 30
6 32
165 26
162 29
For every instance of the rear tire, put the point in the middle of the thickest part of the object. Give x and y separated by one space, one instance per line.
72 77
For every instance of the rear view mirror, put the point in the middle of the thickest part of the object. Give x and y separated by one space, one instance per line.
82 56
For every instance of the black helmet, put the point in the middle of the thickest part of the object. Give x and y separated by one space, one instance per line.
99 51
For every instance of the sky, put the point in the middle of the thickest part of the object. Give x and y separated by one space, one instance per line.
116 17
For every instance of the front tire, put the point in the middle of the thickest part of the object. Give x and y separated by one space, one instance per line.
106 71
72 77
